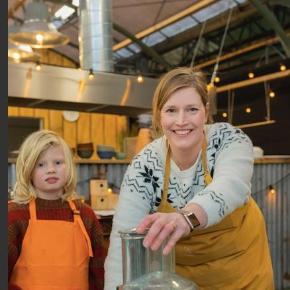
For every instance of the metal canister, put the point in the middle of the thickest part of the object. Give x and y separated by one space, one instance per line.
134 255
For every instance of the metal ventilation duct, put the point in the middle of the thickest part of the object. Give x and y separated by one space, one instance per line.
70 89
95 35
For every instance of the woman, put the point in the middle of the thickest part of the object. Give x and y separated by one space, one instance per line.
192 185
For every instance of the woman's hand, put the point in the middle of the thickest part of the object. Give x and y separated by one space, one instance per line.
162 226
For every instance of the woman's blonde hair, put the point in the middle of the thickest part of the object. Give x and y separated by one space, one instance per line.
178 78
29 153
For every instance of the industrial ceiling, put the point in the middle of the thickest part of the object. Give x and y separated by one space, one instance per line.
152 36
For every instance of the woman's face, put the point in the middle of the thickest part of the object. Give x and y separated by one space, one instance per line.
182 119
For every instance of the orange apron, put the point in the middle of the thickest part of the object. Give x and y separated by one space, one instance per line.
55 254
230 255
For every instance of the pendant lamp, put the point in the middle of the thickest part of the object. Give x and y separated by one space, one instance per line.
20 53
36 30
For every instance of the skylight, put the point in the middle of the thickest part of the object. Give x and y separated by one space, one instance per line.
153 38
179 26
64 12
124 52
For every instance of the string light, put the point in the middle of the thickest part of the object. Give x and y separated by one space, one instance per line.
91 75
224 114
251 75
282 67
271 94
38 66
217 79
248 110
140 79
271 189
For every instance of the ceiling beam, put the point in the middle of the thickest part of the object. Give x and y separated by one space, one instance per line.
190 10
274 24
285 3
145 48
14 7
256 80
249 47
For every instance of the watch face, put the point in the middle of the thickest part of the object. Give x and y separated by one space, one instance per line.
193 219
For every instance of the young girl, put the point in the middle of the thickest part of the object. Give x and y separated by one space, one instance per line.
54 239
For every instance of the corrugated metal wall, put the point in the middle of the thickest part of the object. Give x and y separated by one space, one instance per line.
276 208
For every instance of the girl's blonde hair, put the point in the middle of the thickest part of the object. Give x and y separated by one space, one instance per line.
29 153
178 78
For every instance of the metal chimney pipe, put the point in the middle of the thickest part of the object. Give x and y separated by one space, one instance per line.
95 35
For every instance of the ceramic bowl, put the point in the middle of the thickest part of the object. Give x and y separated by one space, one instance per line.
121 155
106 154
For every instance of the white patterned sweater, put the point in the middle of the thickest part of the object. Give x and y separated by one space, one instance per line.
230 163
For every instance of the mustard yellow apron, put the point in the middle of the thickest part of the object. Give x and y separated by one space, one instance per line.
231 255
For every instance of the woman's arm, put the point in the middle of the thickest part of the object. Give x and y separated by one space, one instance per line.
233 169
133 205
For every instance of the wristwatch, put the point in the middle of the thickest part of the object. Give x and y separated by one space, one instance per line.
190 218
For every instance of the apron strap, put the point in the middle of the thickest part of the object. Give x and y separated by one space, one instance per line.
77 218
166 174
32 209
207 177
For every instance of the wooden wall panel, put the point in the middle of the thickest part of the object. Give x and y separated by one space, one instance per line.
122 131
110 130
70 133
26 112
13 111
84 128
90 127
43 114
97 130
56 121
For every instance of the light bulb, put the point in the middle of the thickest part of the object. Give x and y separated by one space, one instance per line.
217 79
282 67
224 114
251 75
39 38
272 94
248 110
16 56
38 66
91 75
140 79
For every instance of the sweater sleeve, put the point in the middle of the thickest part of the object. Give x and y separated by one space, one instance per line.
18 216
233 169
131 208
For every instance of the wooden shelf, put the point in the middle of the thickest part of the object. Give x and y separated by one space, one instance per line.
90 161
272 159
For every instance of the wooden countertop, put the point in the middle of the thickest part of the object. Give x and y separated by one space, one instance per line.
271 159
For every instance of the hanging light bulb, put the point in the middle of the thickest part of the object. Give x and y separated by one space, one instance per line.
36 31
20 53
282 67
224 114
251 75
217 79
91 75
271 94
248 110
140 79
271 190
38 66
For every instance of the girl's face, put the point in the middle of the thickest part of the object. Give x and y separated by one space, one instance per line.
49 175
182 119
